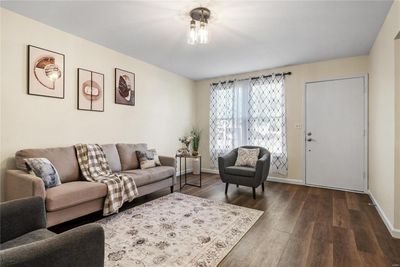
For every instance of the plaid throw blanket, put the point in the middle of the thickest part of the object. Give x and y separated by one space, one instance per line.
94 166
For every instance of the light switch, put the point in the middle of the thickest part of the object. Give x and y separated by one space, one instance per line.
298 126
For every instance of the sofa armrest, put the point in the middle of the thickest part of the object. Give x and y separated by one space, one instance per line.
262 167
21 216
20 184
82 246
167 161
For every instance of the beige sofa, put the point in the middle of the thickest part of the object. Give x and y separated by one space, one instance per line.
76 197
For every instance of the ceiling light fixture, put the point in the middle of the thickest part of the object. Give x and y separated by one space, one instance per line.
198 31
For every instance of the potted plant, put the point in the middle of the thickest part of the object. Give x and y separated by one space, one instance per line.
195 133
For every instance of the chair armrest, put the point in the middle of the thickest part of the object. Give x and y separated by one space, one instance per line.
21 216
262 167
226 160
82 246
167 161
20 184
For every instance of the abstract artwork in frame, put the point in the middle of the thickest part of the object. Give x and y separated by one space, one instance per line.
124 87
46 76
90 90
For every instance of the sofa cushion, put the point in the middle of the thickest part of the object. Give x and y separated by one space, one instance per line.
151 175
73 193
30 237
112 157
247 157
127 154
63 158
42 167
140 179
148 158
241 171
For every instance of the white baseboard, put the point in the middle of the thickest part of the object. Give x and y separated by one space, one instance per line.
285 180
189 170
270 179
393 231
203 170
209 171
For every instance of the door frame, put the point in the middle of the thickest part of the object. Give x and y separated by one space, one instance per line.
366 130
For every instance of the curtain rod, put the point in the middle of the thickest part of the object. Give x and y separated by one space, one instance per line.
256 77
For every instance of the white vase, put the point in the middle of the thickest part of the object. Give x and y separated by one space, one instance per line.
196 165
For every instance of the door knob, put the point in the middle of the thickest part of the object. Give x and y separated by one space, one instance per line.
309 134
310 139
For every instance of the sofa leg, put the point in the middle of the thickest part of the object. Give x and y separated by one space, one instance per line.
172 189
237 185
254 192
226 188
262 186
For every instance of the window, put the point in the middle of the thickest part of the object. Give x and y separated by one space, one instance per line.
249 112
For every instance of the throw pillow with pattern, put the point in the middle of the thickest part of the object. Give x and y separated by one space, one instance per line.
247 157
42 168
148 158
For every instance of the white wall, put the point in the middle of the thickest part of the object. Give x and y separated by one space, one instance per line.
345 67
382 114
164 108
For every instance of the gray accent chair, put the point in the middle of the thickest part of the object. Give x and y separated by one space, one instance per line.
25 241
246 176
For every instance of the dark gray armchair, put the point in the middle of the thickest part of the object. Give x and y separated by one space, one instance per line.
246 176
25 241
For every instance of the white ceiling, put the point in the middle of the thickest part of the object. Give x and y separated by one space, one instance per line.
244 35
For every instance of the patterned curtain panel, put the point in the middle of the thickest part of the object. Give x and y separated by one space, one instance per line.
249 112
221 120
267 119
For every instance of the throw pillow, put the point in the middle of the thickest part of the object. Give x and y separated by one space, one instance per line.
148 158
42 168
247 157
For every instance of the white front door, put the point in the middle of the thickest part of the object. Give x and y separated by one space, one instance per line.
336 133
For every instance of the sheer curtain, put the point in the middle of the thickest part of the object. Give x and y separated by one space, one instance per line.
221 120
267 119
249 112
228 117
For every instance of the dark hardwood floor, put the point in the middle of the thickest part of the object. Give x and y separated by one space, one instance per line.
301 226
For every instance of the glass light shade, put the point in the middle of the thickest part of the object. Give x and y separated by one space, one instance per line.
192 34
203 33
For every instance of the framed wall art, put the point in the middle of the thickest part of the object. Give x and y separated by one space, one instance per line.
46 76
124 87
90 90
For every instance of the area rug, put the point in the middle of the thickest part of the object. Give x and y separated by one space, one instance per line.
175 230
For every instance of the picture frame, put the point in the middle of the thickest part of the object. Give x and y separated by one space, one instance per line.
46 72
125 88
90 90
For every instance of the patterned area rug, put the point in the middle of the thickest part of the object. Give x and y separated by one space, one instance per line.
175 230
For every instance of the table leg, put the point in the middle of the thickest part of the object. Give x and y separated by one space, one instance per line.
200 178
180 173
185 172
200 171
